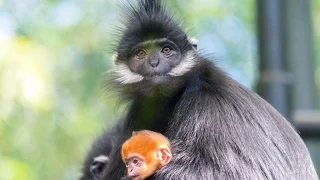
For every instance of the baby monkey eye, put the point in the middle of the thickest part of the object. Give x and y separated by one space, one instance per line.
135 161
141 54
166 50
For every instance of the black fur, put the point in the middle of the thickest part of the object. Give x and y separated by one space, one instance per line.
147 21
102 146
219 130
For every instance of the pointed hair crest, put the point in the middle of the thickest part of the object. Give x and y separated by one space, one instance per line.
148 20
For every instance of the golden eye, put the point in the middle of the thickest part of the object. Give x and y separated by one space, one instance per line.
141 54
166 50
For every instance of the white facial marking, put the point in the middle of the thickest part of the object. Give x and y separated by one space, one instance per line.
184 66
114 58
123 74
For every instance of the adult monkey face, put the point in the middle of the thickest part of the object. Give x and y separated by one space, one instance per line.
155 59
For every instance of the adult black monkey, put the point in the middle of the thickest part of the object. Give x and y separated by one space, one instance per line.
98 156
218 128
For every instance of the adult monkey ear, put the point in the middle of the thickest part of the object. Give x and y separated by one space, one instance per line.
194 42
164 155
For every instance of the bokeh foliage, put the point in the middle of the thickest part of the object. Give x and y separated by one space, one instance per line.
53 54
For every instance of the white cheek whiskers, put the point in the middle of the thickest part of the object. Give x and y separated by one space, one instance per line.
123 74
185 65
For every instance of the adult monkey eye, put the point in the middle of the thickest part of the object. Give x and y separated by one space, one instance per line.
141 54
166 50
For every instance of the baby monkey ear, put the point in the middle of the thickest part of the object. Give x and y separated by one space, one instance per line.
134 133
164 155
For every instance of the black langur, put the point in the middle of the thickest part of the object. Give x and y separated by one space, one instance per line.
218 129
98 157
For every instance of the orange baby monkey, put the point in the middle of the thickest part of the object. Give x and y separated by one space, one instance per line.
145 153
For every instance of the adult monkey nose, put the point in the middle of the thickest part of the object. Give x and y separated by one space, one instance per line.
154 61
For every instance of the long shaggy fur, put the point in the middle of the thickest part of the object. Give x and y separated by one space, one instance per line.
219 130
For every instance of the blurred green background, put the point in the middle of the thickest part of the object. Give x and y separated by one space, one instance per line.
53 54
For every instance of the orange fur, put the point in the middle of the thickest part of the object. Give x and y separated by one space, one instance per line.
145 143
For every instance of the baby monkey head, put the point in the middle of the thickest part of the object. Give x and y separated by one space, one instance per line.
144 153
